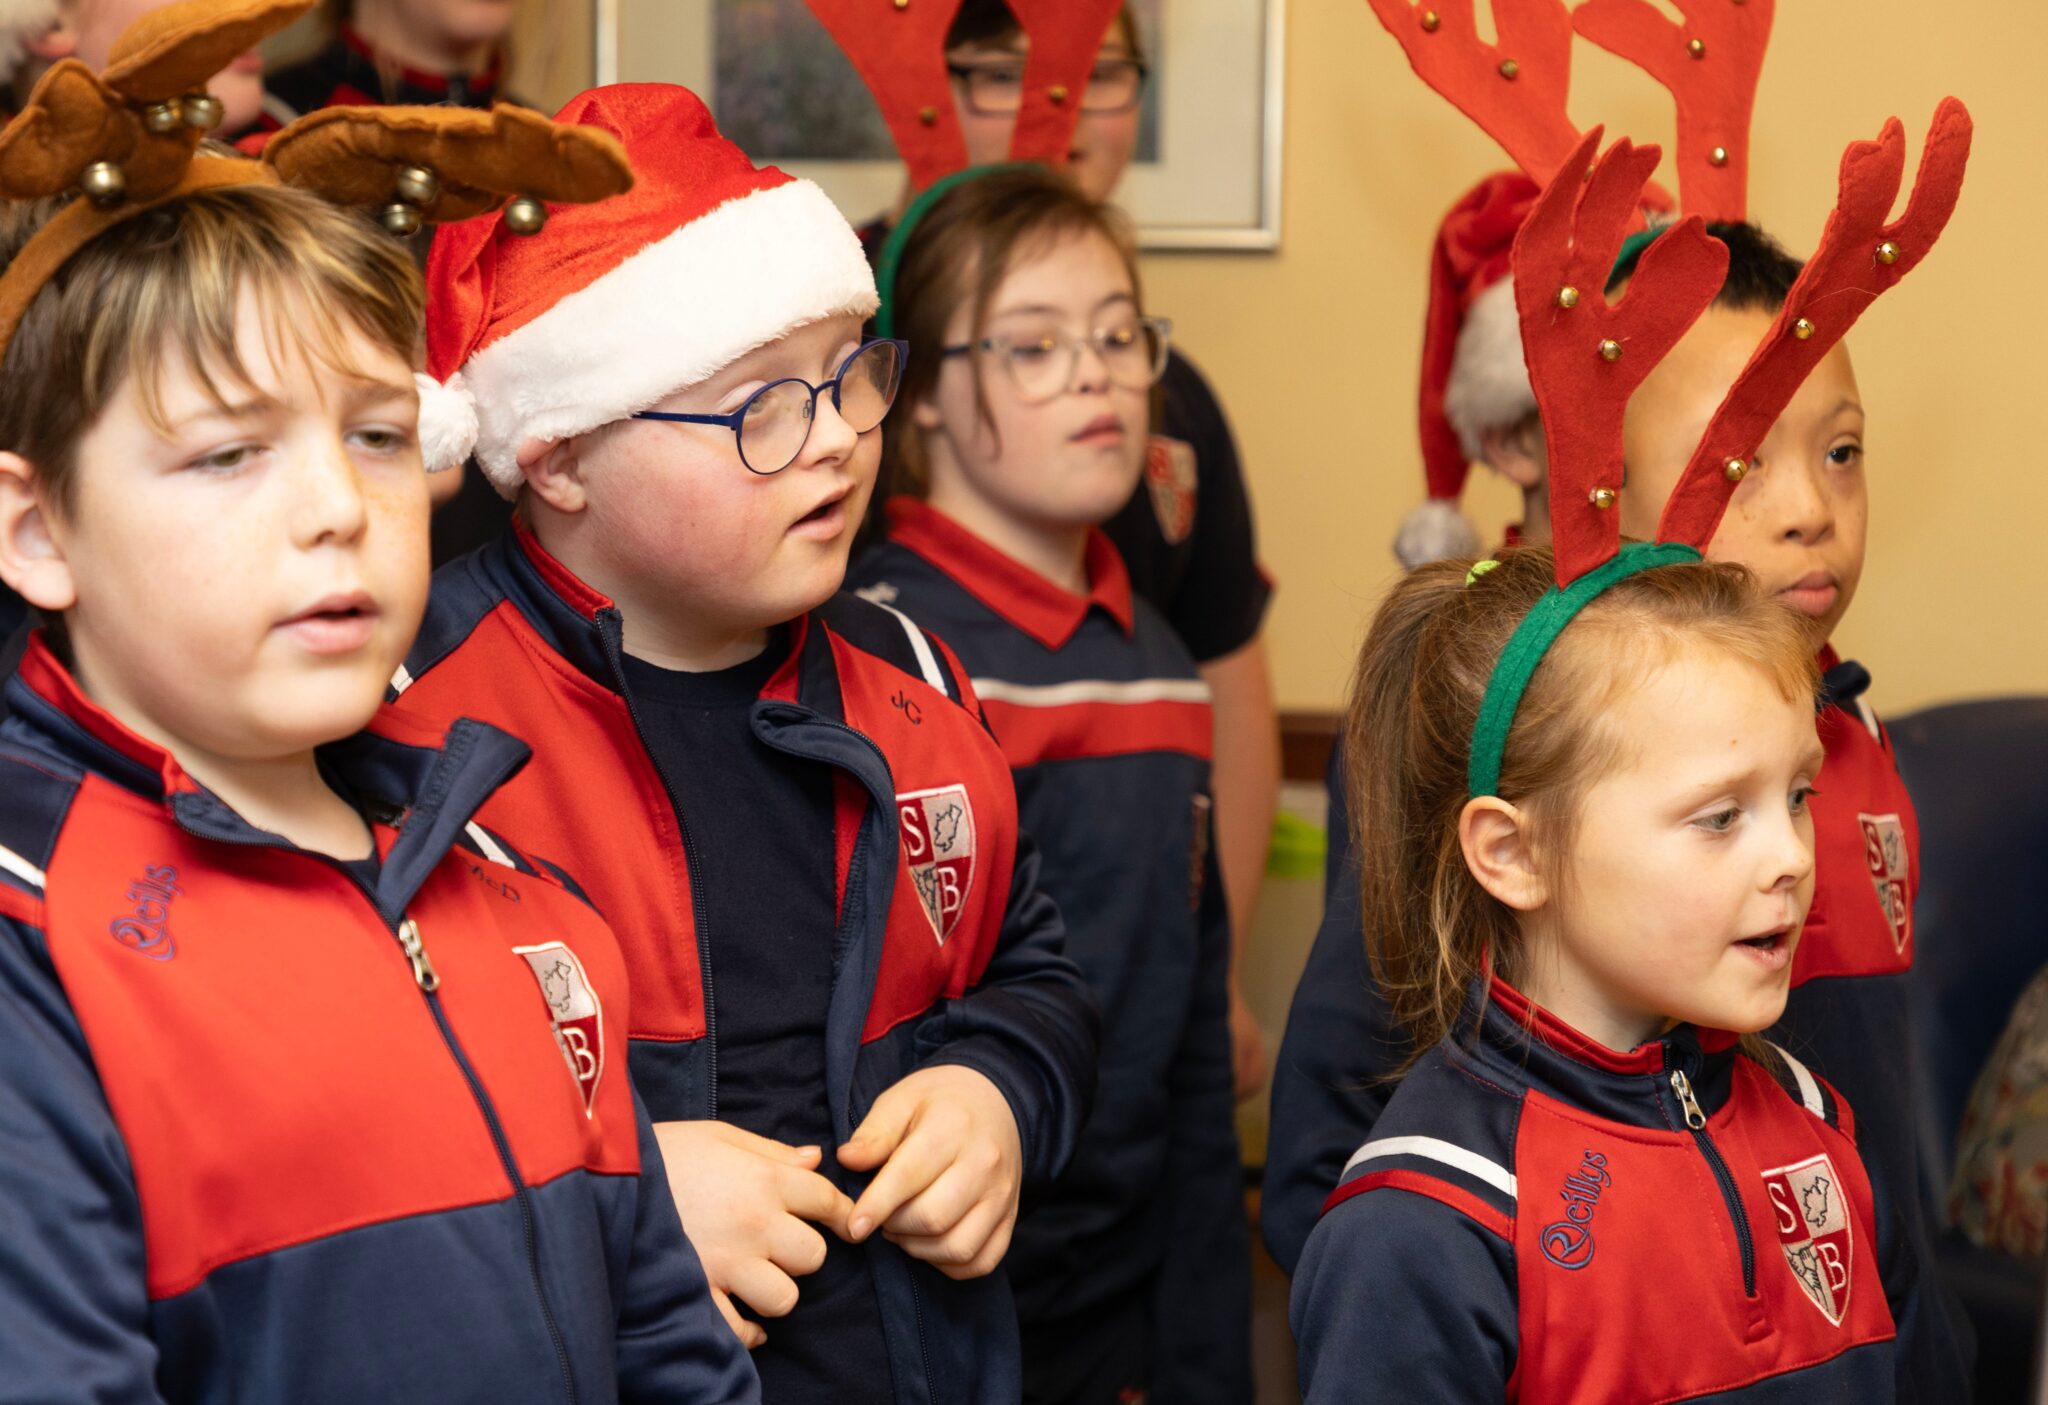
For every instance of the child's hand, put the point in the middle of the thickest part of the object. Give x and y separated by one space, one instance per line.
952 1167
744 1200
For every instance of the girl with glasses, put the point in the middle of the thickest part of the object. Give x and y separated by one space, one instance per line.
1020 427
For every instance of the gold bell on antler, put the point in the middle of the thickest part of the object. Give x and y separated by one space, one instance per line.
1567 297
103 182
1735 470
163 117
1610 349
202 110
416 185
1603 498
400 218
525 215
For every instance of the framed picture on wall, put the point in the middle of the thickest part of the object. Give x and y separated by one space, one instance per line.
1207 170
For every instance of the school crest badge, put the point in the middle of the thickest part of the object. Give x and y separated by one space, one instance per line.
1170 476
938 840
577 1014
1884 851
1813 1229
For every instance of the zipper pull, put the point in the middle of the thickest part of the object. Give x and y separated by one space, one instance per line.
416 952
1682 1086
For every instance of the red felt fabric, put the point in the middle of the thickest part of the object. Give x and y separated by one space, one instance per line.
1842 278
900 53
1525 114
1065 37
1715 93
1571 239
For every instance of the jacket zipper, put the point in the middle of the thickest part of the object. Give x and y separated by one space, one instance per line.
1696 1123
618 667
924 1351
429 982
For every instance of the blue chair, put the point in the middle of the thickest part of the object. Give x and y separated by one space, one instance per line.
1978 772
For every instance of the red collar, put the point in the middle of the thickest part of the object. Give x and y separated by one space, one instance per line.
560 579
1645 1058
1047 612
45 674
485 80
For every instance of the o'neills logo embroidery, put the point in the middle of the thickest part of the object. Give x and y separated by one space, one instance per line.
1813 1230
1170 475
938 839
578 1016
1568 1242
1884 852
146 926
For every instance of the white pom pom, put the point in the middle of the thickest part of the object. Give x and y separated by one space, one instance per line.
447 421
1435 531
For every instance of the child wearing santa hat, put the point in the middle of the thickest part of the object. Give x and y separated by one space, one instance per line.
852 1011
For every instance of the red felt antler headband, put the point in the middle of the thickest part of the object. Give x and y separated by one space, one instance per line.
899 49
1586 357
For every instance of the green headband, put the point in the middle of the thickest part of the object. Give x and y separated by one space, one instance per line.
1632 248
899 237
1532 640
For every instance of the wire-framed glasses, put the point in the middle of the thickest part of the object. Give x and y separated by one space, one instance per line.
1132 352
774 424
995 87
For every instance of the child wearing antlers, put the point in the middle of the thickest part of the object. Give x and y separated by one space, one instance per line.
314 1088
1596 1182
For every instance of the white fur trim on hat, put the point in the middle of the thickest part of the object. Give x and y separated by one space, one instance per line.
670 316
21 21
1435 531
447 423
1489 384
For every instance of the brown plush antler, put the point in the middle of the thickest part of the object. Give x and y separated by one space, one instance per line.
1514 89
1587 357
1860 257
1710 64
446 163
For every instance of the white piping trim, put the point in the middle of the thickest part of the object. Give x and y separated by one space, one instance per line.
1809 1090
1090 690
927 661
401 680
1434 1149
21 868
493 851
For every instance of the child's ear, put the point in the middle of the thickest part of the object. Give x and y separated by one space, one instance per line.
1495 838
32 560
925 415
554 473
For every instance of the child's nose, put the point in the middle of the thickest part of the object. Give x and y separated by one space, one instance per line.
1795 500
331 505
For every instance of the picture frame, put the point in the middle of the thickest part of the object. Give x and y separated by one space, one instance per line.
1207 175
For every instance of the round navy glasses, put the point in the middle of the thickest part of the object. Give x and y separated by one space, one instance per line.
774 424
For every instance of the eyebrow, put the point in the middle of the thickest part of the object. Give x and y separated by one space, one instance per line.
1847 403
1048 309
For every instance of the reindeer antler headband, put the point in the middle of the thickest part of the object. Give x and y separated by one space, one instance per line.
899 49
127 140
1586 358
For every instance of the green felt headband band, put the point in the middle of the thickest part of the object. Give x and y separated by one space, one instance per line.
1632 248
899 237
1532 640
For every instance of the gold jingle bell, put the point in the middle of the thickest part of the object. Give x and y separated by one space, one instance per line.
163 118
103 183
1603 498
525 215
1610 349
1718 156
416 185
1509 69
1431 21
1887 253
400 218
1735 470
1567 298
1802 329
202 110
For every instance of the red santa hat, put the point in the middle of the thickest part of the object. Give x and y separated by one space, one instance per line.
607 310
1473 374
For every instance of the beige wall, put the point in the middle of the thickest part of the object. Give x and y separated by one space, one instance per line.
1314 348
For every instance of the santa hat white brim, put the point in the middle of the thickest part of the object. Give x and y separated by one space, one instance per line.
670 316
1489 383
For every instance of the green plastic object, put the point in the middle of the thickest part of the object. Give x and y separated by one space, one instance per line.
1297 849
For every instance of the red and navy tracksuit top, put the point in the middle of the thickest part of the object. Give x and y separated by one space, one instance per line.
1849 1014
947 951
276 1127
1537 1218
1106 726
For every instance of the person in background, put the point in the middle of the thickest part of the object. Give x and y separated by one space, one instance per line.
1186 534
86 30
400 51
